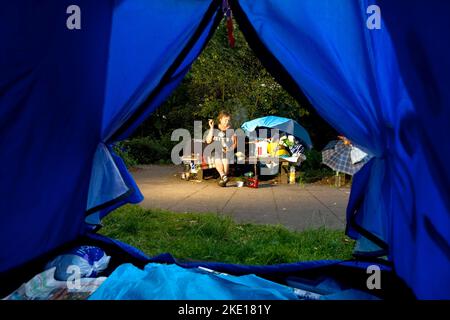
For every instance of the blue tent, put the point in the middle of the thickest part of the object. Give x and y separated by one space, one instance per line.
283 124
77 76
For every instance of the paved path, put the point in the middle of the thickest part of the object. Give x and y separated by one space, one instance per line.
294 206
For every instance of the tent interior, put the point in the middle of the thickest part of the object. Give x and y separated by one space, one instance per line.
67 95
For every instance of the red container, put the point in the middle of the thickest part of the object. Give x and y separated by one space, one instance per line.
252 182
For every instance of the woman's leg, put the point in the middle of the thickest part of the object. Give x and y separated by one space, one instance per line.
226 166
219 167
222 167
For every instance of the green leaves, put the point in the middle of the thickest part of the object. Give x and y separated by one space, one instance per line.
226 78
231 79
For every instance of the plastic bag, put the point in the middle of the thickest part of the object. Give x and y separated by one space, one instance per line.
90 261
357 155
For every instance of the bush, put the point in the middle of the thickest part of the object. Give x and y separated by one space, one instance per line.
146 150
122 150
312 169
315 175
313 160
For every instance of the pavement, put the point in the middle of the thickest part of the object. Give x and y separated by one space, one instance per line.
298 207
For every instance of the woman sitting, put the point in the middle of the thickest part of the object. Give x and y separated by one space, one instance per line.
225 144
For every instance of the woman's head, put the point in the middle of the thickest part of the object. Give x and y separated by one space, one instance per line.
224 119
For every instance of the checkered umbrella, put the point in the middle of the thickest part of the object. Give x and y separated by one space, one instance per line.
337 156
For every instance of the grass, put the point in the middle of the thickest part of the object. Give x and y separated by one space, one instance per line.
216 238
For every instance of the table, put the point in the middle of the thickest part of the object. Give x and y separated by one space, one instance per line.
284 165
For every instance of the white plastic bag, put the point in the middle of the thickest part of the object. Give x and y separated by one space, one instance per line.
357 155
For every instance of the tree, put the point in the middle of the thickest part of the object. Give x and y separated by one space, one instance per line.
231 79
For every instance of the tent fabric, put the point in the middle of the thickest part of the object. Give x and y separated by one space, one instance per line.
422 222
69 95
283 124
375 88
283 268
50 122
153 81
134 74
106 180
112 200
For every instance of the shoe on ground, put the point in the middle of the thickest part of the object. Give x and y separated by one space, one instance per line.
225 179
222 183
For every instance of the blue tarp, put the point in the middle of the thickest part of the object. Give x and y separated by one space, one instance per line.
67 95
163 282
283 124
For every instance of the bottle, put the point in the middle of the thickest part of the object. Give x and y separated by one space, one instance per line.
193 167
292 175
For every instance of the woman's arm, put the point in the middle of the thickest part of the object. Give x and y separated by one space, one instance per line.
209 137
234 145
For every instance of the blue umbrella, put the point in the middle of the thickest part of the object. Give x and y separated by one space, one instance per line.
283 124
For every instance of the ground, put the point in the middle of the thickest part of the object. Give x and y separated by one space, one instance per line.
298 207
